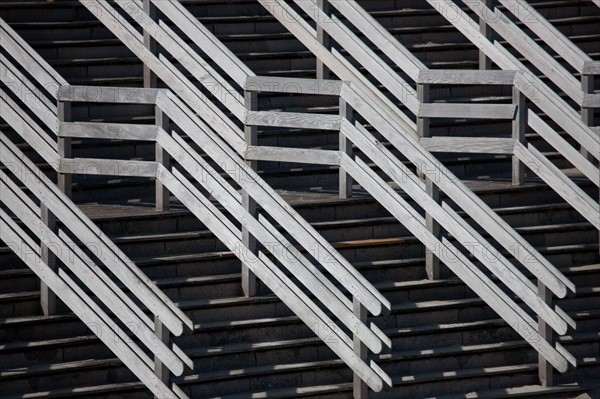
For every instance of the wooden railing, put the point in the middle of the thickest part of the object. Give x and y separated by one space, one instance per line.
71 255
221 139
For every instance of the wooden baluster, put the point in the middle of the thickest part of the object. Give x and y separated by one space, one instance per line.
361 389
324 39
150 79
485 63
162 372
249 283
162 157
519 127
432 263
587 114
345 183
545 368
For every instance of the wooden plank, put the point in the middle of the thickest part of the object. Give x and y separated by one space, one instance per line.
460 265
108 131
531 50
293 120
107 167
591 101
92 277
168 73
478 145
78 303
591 68
466 77
272 84
456 190
554 38
282 212
475 111
563 186
206 40
565 148
380 36
105 94
75 220
271 275
296 155
514 279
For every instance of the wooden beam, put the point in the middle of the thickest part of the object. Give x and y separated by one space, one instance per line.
345 146
249 281
295 155
107 167
293 120
476 145
591 68
591 101
519 128
466 77
104 94
293 85
161 194
322 71
108 131
469 111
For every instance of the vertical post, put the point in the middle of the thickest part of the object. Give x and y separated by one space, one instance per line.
345 183
150 80
519 126
587 114
162 372
360 388
48 300
249 283
484 62
161 156
545 368
432 263
324 39
65 180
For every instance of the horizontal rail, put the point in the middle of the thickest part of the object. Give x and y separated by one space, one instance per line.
105 94
107 167
471 111
591 68
591 101
108 131
293 85
293 120
477 145
466 77
296 155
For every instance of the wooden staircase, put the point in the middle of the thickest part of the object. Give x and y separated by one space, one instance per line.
446 341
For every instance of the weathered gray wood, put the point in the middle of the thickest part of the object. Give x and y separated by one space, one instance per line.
78 302
75 220
466 77
547 32
272 84
545 368
295 155
160 369
108 131
150 79
477 145
591 68
565 148
380 36
345 183
456 190
322 36
293 120
266 271
531 50
563 186
484 62
161 194
168 73
454 224
519 128
284 214
423 95
106 94
459 264
591 101
249 282
360 388
29 130
48 299
64 149
206 40
107 167
475 111
432 262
